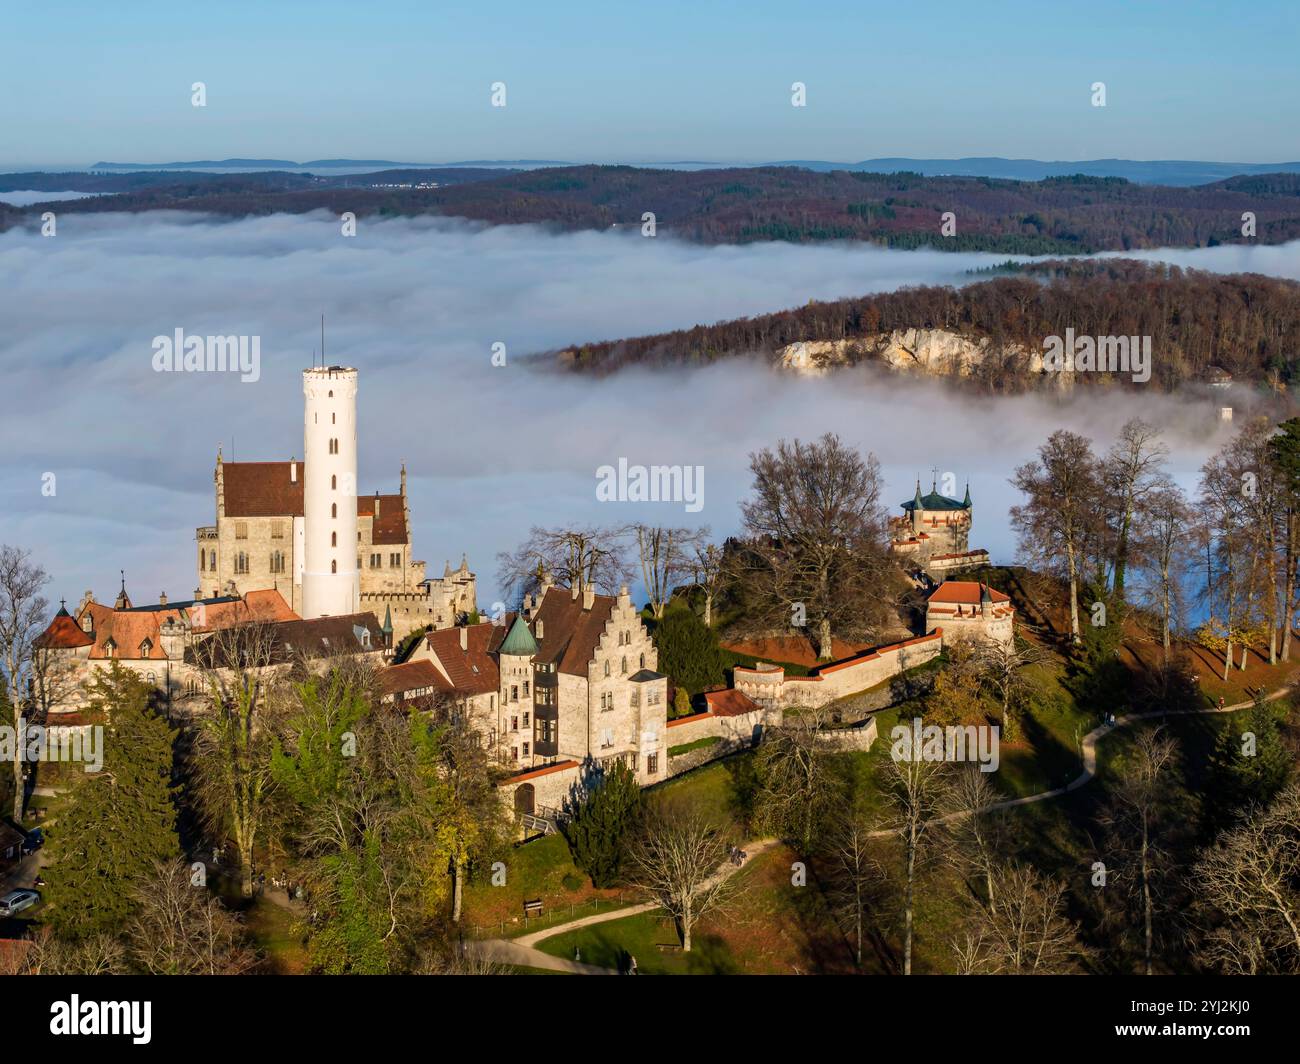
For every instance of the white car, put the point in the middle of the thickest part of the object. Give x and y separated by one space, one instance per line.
17 900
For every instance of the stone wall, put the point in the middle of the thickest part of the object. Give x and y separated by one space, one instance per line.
769 686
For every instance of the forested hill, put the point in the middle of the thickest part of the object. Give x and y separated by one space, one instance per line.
1245 323
1056 216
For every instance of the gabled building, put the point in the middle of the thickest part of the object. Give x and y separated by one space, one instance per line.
570 677
966 609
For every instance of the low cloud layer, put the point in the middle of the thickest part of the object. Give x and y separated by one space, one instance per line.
416 305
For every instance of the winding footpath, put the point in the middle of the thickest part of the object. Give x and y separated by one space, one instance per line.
523 950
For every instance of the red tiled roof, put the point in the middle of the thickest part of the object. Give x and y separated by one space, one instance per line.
411 676
963 592
63 633
264 605
265 489
390 525
127 629
570 633
532 774
730 703
472 671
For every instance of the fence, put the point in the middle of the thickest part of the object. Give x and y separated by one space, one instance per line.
553 917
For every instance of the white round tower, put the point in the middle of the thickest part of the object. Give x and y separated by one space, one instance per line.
331 584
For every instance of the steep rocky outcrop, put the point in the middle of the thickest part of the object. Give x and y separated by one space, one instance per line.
926 352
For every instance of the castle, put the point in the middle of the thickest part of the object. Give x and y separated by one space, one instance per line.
288 526
932 534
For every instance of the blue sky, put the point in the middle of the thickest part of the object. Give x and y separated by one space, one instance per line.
665 81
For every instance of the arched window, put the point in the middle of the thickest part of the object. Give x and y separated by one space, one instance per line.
331 395
643 661
334 483
334 539
607 668
334 509
334 567
625 666
212 561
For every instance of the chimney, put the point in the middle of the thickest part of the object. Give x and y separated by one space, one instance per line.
162 598
293 471
464 638
376 506
573 592
624 599
588 598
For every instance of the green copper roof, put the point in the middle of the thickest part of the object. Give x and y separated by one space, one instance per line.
935 501
388 619
519 640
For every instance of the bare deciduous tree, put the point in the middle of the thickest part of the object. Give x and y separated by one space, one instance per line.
1060 513
815 551
976 828
235 735
1136 818
1248 882
854 871
796 786
1002 668
917 791
680 861
665 556
22 619
707 569
1029 933
574 557
1130 472
179 928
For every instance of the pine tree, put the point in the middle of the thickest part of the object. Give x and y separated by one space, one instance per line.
688 650
598 825
122 819
1242 777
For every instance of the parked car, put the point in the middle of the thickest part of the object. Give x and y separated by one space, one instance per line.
35 840
16 901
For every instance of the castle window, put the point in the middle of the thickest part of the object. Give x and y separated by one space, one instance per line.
334 509
334 566
625 666
643 661
331 394
334 483
241 562
651 764
333 418
525 688
277 561
151 679
202 558
395 560
607 668
241 529
145 647
525 749
514 693
212 561
277 530
376 561
334 539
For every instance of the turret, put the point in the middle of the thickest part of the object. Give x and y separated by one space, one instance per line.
986 603
917 507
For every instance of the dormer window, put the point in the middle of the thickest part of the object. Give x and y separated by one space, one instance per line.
146 645
539 629
86 624
110 648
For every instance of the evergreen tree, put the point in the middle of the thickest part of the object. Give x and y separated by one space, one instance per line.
598 824
688 650
121 820
1241 777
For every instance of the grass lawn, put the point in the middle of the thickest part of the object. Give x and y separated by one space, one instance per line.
538 869
698 744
